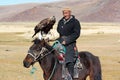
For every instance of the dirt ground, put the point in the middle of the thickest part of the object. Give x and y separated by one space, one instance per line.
101 39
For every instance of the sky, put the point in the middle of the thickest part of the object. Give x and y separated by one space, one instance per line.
10 2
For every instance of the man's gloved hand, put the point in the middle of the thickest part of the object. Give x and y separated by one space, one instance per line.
62 40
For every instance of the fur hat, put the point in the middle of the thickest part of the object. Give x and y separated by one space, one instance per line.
66 9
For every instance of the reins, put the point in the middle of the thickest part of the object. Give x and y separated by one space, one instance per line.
54 64
53 70
45 55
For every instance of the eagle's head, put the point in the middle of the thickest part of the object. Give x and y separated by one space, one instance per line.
52 20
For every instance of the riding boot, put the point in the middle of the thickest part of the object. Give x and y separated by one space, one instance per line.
70 67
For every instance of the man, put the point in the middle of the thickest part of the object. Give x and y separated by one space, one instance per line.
69 30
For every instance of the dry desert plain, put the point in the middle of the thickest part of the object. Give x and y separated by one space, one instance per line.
101 39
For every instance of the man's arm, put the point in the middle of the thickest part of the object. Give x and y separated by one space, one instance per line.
71 38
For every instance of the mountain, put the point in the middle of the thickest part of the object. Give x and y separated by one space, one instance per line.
84 10
108 11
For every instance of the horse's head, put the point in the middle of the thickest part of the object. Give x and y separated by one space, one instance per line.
34 52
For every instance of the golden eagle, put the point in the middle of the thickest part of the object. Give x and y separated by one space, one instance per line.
44 26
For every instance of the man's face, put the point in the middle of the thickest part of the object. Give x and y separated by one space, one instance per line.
66 14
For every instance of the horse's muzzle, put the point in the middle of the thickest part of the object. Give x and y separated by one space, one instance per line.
26 64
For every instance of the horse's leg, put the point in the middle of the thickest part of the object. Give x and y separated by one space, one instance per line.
81 79
45 78
84 78
91 77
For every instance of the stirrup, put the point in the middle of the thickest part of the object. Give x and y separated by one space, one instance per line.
78 64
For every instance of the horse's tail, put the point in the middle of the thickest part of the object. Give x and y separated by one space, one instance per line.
97 70
94 65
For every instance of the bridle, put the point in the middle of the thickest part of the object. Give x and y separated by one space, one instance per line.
41 54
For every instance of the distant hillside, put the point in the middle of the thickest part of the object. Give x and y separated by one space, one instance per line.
108 12
84 10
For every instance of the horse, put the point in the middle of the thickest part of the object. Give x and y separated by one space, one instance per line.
43 53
